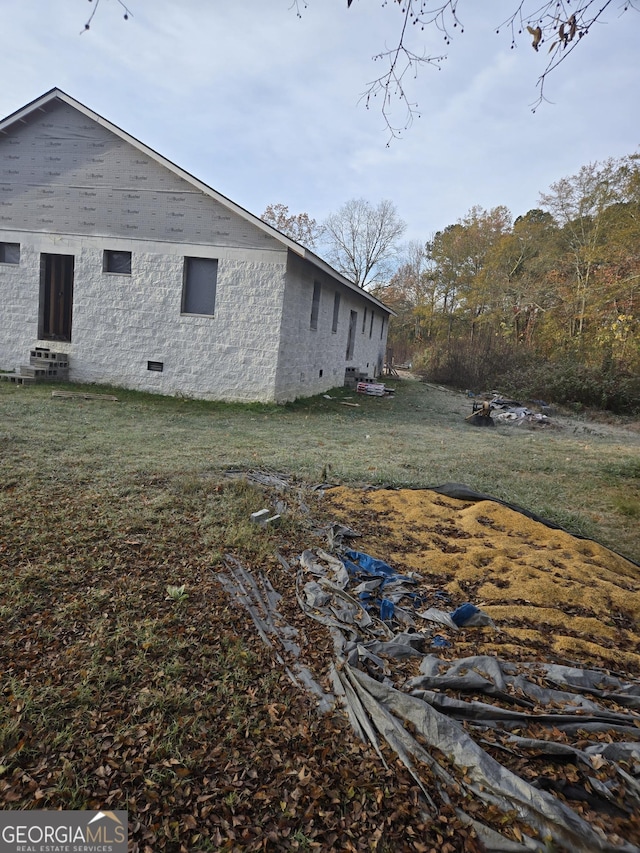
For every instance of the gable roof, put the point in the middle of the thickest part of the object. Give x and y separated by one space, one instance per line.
53 95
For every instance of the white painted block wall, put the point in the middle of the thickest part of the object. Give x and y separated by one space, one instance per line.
312 361
122 322
67 181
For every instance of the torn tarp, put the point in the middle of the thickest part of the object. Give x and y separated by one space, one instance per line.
484 777
454 708
465 616
358 563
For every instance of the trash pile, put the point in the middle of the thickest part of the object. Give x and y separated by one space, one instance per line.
495 408
511 411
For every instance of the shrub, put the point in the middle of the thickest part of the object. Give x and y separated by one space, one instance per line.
523 374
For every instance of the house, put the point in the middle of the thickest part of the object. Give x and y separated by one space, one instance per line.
118 267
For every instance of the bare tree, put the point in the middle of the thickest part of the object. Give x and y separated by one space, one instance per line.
299 226
362 240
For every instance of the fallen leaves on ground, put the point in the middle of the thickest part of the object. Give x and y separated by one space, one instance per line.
117 695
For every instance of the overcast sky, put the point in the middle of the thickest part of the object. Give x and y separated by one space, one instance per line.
263 105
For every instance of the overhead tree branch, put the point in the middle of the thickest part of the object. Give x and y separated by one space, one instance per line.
560 23
127 13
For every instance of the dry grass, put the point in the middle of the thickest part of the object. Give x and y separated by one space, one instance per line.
582 474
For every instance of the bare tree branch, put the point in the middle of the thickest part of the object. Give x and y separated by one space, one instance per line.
561 23
402 61
127 13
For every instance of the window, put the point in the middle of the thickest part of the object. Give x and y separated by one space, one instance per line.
351 338
9 253
117 262
382 328
364 321
199 287
336 312
315 305
371 324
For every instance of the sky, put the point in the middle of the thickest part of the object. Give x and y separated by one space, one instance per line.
265 106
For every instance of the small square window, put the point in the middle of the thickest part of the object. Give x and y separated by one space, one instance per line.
9 253
117 262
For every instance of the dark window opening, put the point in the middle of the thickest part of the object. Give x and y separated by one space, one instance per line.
199 286
315 305
116 262
371 324
351 338
9 253
320 373
364 321
336 312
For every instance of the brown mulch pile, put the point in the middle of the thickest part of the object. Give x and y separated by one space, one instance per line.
550 594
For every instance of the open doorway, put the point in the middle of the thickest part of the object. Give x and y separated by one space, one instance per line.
56 297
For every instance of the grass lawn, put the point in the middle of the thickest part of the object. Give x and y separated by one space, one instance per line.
118 693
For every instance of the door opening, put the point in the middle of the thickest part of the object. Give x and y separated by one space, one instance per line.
56 297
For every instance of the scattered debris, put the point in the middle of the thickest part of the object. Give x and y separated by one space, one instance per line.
260 516
481 415
370 630
374 389
528 751
84 396
507 412
264 518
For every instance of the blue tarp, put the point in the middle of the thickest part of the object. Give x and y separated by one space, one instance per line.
358 564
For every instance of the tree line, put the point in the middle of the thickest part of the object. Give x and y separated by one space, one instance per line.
544 306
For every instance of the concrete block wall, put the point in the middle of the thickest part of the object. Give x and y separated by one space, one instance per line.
316 358
66 182
19 295
123 322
